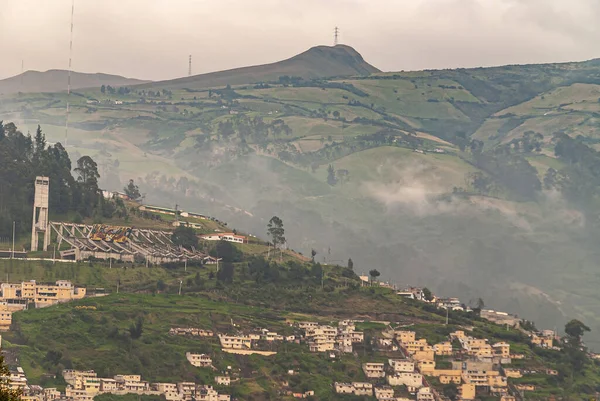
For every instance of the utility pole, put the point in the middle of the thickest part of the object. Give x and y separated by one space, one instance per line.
54 255
110 263
336 33
185 264
447 313
176 212
13 242
118 286
190 66
180 284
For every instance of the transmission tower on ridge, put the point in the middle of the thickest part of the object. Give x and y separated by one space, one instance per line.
190 66
336 33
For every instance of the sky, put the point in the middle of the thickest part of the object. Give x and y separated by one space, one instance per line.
151 39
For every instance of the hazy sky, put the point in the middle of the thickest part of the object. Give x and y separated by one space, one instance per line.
151 39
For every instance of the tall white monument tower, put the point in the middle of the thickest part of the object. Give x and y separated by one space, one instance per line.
40 213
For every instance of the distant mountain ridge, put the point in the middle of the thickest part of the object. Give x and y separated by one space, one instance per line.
316 62
56 81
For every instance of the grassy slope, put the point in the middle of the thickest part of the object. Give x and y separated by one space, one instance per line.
414 243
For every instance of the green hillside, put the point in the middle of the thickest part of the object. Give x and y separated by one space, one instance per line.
412 191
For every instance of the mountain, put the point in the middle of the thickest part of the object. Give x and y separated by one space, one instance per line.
449 178
56 81
316 62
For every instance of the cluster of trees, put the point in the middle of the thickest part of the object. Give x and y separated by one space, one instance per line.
579 180
509 169
22 158
123 90
252 129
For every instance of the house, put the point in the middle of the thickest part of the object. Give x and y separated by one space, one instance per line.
343 388
223 380
501 350
362 388
467 391
409 379
405 336
425 394
402 365
412 293
525 387
374 370
229 237
199 360
426 366
384 392
513 373
307 325
450 379
235 342
108 385
443 349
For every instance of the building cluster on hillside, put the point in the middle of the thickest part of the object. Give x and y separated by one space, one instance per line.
474 365
85 385
17 296
323 338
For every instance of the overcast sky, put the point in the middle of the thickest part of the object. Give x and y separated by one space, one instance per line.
152 39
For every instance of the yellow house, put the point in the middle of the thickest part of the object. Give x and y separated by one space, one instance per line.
467 391
424 355
414 346
42 294
404 337
513 373
444 379
445 372
443 349
501 349
458 334
426 366
5 317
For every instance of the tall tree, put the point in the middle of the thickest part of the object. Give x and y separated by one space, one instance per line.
575 330
39 141
331 179
132 190
276 231
185 237
350 264
374 274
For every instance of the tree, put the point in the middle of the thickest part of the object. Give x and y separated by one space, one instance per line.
313 253
275 231
39 141
185 236
427 294
135 330
336 114
103 89
374 274
87 171
132 190
575 329
350 264
225 273
331 180
6 393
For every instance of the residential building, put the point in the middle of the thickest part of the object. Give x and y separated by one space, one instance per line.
199 360
426 366
362 388
513 373
384 392
374 370
405 336
343 388
443 349
467 391
409 379
223 380
450 379
425 394
501 350
229 237
108 385
402 365
41 294
235 342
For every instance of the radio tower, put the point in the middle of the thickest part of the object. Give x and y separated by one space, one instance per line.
336 32
69 73
190 66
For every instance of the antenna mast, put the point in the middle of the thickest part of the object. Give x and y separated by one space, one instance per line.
190 66
336 33
69 73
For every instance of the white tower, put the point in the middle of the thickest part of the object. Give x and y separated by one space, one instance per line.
40 213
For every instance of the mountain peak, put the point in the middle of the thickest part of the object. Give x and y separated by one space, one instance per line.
316 62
